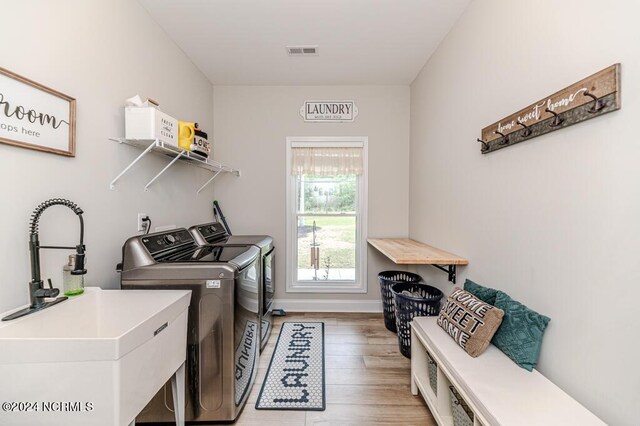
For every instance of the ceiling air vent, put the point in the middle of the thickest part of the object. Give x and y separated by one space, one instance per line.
302 50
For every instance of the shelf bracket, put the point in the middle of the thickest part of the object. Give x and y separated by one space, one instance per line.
171 163
209 181
112 185
450 270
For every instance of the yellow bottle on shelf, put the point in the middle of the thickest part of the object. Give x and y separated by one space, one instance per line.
186 133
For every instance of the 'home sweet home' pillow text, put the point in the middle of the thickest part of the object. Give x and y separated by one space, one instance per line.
469 321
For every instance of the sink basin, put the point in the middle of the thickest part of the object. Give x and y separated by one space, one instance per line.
104 353
98 325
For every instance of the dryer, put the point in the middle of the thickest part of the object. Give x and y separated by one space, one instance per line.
216 233
223 326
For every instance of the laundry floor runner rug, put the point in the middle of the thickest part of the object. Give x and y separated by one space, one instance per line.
295 378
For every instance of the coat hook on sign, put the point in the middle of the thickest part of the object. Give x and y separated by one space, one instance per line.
557 120
485 146
598 104
527 131
505 138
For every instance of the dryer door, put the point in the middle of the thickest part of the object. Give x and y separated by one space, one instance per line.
269 269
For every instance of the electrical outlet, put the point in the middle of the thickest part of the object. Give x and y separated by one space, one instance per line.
142 225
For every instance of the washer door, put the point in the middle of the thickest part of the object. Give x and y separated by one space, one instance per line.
247 331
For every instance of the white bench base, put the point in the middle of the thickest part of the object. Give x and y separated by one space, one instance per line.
495 388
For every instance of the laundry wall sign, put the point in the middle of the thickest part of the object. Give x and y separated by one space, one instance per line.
329 111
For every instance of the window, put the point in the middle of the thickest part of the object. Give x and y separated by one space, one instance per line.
326 214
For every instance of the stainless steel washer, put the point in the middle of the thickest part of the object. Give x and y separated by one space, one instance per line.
215 233
223 326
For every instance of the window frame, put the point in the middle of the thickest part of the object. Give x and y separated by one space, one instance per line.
360 284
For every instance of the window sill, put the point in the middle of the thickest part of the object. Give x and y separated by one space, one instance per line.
336 288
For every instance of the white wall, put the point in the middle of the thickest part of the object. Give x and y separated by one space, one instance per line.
553 221
99 52
251 124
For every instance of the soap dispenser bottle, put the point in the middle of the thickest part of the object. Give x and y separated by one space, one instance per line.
72 284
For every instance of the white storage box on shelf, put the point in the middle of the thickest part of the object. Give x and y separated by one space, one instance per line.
148 123
497 391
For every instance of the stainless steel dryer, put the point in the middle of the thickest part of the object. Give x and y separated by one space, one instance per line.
215 233
223 325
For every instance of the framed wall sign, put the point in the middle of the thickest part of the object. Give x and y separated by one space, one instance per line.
36 117
329 111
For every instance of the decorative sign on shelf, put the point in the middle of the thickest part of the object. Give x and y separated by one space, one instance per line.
588 98
36 117
329 111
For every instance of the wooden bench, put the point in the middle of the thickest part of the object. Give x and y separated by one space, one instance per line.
497 391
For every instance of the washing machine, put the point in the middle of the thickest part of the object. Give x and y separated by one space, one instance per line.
223 337
216 233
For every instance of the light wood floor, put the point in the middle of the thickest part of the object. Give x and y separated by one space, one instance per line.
367 378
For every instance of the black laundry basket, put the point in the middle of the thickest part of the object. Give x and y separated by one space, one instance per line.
387 279
408 307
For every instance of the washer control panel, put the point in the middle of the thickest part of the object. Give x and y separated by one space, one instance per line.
158 243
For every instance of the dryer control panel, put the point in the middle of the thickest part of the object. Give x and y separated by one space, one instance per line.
212 232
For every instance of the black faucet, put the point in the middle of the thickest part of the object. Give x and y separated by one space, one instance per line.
37 292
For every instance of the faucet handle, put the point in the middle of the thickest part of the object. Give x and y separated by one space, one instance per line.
47 292
54 292
51 292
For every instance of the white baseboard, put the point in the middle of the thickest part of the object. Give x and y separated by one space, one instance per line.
328 305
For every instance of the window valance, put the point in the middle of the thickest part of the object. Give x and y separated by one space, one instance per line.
317 161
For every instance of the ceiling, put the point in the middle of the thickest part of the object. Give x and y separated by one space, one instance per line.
242 42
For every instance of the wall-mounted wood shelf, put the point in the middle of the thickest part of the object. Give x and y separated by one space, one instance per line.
404 251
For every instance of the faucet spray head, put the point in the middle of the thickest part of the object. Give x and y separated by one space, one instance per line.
79 261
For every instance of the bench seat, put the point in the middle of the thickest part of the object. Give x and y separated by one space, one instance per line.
497 390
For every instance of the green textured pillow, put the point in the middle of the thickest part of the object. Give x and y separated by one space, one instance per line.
521 331
486 294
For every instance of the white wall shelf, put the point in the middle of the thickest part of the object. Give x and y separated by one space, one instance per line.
176 154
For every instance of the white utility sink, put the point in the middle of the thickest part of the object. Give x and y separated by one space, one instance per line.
95 359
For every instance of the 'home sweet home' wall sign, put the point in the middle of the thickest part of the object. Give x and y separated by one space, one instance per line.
588 98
